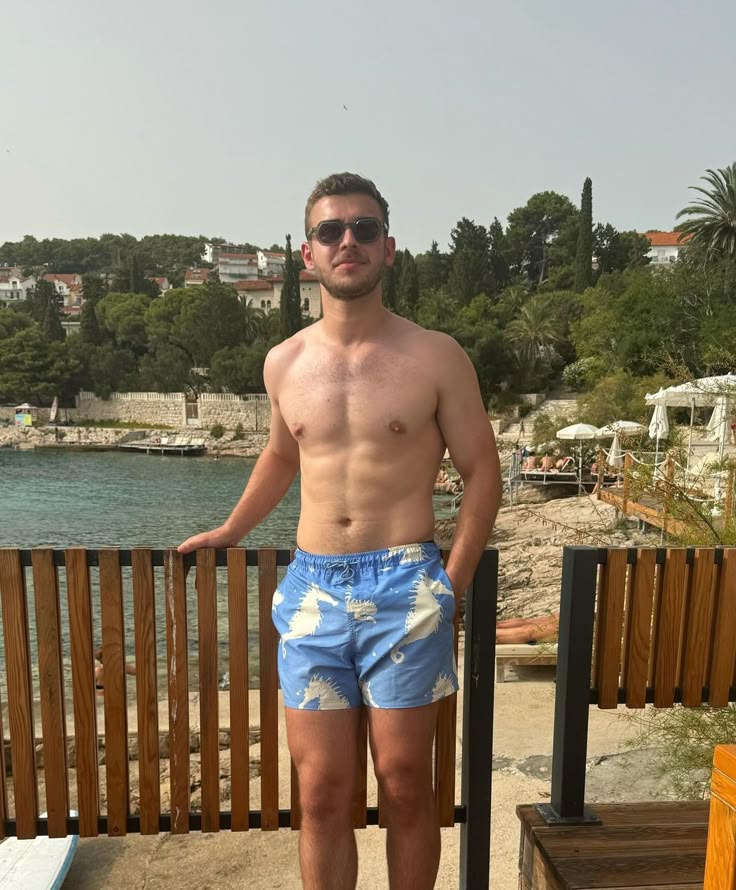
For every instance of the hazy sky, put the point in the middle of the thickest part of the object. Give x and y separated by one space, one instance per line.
218 117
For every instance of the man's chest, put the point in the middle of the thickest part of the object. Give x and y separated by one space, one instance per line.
364 401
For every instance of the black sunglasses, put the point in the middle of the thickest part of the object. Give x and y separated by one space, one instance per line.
366 229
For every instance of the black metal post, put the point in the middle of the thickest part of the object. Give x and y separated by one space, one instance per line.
572 695
478 691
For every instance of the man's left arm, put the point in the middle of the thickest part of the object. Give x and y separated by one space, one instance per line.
467 432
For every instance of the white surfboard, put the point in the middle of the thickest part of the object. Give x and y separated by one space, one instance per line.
41 863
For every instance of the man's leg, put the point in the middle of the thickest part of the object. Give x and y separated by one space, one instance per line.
401 744
324 746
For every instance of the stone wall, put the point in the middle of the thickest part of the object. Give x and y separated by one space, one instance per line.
154 409
253 414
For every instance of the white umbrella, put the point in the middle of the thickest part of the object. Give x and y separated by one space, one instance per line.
578 432
659 427
703 392
718 423
620 428
616 455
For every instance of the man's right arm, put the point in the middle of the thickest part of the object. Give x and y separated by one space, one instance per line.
272 475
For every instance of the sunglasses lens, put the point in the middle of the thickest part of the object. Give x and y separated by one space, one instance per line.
330 232
366 230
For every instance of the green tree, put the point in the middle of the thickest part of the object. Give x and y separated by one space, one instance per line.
94 289
436 310
291 303
712 218
584 255
408 289
432 268
44 305
470 272
542 235
498 259
615 251
239 369
122 317
34 367
535 333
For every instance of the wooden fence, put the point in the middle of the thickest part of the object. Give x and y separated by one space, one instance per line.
61 659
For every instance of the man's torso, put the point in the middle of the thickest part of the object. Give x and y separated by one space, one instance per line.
365 420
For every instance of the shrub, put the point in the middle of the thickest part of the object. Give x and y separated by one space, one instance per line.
239 433
217 431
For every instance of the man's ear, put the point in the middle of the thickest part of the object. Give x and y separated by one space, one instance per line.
390 251
307 255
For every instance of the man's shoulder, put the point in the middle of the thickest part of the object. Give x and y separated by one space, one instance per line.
437 342
281 357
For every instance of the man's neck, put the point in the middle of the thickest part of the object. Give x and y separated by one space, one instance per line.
355 320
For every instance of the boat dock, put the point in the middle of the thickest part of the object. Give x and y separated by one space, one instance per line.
182 446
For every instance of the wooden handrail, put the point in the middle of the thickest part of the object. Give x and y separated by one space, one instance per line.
720 863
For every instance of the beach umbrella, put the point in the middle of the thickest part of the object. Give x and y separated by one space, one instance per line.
703 392
578 432
659 427
718 424
621 428
616 455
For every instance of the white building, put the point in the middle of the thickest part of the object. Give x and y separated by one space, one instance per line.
14 286
270 263
195 277
232 267
68 285
265 293
665 247
163 283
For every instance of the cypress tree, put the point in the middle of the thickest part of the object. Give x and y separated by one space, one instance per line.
291 308
584 255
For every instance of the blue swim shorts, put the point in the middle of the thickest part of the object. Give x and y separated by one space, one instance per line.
372 628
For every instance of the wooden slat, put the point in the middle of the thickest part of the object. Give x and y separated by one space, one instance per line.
3 790
268 640
209 710
20 692
637 646
668 628
178 686
697 635
609 628
237 591
146 690
83 690
116 699
360 801
446 740
51 688
723 661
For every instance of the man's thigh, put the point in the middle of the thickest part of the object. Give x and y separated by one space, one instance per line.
401 739
324 744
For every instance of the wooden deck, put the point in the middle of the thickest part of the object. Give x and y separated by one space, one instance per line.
637 846
649 507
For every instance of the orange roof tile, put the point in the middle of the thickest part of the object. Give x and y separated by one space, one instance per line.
667 239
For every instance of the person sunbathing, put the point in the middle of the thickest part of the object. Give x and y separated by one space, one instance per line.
530 464
528 630
547 463
100 672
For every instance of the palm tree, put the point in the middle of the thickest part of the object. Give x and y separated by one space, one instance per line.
536 331
712 220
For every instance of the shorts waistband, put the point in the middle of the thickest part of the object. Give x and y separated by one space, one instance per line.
388 555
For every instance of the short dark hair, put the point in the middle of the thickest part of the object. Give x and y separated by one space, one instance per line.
344 184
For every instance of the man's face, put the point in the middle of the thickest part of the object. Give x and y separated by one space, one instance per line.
348 269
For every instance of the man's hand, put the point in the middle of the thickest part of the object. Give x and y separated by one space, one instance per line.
217 538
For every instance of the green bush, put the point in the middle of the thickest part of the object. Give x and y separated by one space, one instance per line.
217 431
239 433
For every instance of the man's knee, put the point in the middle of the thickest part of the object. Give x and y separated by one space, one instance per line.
324 795
404 784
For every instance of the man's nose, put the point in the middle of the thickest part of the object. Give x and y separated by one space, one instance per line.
348 238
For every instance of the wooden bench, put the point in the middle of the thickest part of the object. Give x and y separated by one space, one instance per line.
637 627
156 583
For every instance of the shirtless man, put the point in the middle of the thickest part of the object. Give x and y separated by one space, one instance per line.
364 403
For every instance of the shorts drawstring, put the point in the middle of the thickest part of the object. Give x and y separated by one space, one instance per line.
348 570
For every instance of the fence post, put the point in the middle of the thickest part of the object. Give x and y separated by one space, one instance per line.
572 697
720 860
628 460
478 692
